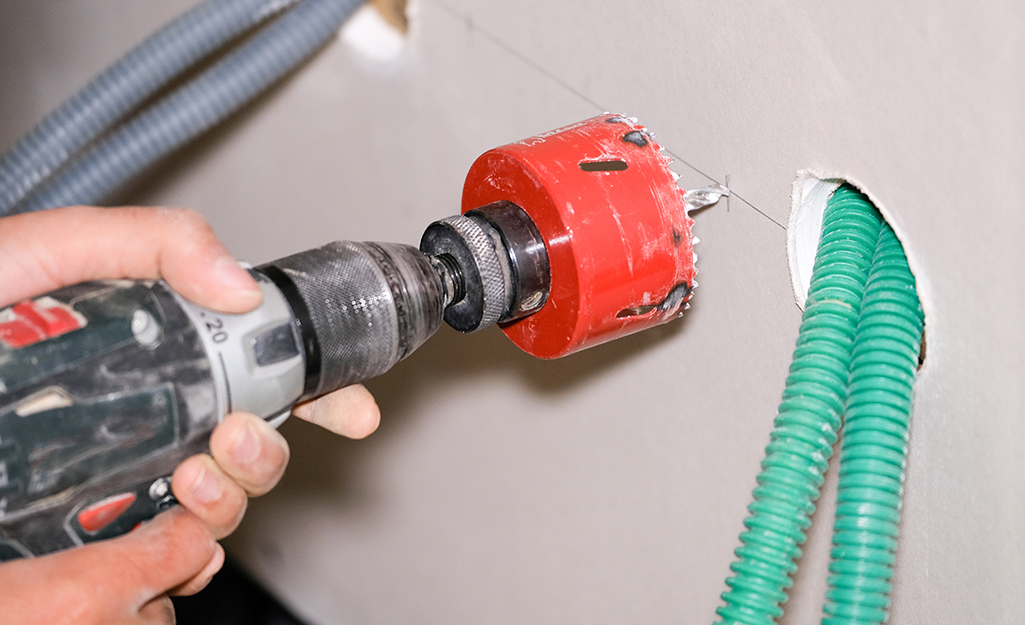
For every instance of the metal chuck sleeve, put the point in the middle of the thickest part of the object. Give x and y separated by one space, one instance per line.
360 307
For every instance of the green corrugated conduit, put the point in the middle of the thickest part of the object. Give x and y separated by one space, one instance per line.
875 437
856 358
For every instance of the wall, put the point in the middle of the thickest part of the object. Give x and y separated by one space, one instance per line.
609 487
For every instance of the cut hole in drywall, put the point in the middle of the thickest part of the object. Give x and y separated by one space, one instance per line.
811 193
379 29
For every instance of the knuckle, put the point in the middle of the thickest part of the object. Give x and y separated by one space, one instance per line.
185 219
186 531
175 221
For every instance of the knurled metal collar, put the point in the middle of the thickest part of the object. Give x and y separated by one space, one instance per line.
495 275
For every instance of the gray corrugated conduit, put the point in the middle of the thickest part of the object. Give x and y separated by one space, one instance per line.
184 114
122 87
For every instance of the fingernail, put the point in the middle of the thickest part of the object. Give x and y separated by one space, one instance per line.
234 277
247 449
206 488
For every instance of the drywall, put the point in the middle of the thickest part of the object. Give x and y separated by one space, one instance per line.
609 487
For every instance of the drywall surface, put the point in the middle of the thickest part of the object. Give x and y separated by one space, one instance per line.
610 487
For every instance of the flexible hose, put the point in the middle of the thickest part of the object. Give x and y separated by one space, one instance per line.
808 418
194 108
124 86
876 338
875 438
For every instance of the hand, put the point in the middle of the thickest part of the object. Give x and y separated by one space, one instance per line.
128 579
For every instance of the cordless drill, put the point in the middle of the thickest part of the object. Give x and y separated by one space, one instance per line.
566 240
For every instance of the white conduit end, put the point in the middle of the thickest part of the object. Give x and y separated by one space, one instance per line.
805 227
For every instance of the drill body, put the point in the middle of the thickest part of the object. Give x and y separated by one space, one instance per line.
88 408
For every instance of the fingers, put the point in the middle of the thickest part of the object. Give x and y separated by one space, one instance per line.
248 457
46 250
351 411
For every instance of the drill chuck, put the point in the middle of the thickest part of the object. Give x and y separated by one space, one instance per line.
359 307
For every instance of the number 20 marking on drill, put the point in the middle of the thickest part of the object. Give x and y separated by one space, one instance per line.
213 326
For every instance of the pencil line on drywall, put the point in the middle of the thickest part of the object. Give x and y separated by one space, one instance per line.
677 157
757 210
467 20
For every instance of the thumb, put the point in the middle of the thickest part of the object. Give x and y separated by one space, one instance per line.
110 582
134 569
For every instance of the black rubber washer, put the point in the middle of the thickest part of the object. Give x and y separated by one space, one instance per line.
466 314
